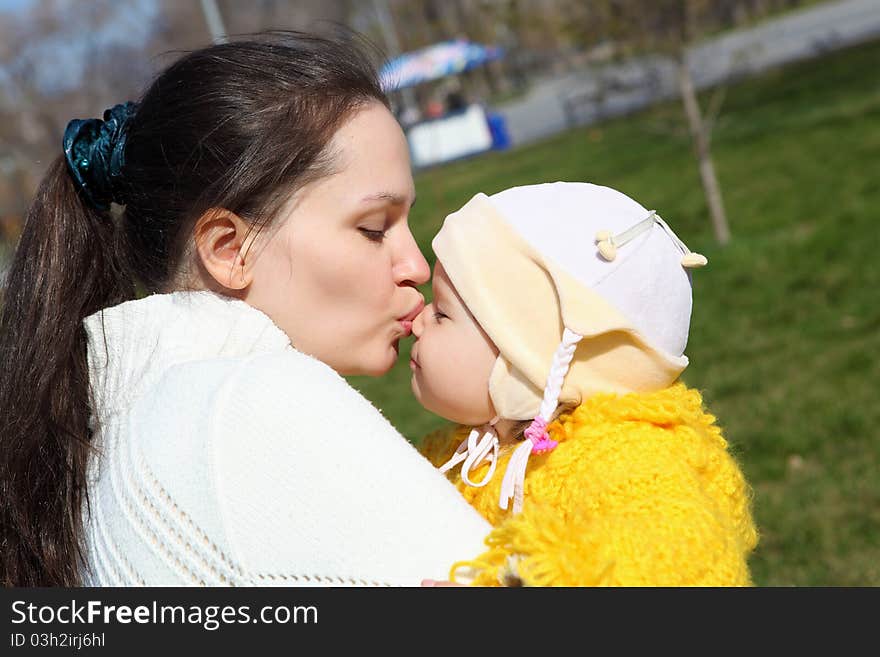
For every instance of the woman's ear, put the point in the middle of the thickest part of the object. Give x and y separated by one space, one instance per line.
222 239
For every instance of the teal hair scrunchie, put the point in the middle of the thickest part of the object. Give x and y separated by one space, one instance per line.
95 153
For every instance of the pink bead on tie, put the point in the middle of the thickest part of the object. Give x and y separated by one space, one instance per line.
537 433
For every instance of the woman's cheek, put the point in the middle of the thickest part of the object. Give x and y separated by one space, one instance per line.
372 278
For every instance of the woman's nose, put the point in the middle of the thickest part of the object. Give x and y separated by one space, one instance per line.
411 267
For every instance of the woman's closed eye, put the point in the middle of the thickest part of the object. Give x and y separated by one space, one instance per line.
373 235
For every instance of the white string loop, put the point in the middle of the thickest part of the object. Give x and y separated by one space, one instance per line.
473 453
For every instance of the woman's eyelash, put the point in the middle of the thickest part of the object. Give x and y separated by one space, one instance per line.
374 235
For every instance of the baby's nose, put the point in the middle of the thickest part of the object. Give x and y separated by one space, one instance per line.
418 322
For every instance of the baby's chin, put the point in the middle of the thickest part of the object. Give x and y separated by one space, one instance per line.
425 400
457 416
414 387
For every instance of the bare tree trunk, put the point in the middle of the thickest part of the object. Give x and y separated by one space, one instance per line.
392 44
214 20
704 155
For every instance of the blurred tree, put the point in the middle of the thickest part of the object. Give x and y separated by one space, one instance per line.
309 15
48 78
61 59
670 28
664 27
58 62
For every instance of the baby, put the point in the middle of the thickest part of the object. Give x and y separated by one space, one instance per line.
555 340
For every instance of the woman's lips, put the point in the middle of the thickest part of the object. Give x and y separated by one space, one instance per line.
407 320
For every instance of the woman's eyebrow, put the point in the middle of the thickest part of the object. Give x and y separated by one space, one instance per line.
391 197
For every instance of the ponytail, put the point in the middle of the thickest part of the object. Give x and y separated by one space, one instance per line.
68 265
239 126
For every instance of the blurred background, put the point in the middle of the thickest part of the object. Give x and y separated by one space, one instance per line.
753 126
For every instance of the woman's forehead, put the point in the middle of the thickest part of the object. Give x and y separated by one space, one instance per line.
373 156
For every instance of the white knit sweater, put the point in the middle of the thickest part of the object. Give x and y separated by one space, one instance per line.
227 457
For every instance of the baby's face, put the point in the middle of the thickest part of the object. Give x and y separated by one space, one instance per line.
452 358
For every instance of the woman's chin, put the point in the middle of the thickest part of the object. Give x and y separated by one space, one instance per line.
382 364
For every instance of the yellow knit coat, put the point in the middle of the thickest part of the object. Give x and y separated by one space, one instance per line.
641 491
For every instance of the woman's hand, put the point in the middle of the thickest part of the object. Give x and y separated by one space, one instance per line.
432 582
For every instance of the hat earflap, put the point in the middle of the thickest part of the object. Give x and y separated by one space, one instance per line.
536 439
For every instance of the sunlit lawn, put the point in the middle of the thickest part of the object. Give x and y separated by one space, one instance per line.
785 339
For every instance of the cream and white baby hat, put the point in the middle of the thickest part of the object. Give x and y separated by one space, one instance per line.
581 288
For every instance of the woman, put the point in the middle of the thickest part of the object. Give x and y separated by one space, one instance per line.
203 434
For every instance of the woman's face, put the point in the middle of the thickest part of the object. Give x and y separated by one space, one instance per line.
338 275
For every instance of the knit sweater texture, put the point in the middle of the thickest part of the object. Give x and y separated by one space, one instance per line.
224 456
642 490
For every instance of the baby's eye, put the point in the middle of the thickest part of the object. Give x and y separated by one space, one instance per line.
438 315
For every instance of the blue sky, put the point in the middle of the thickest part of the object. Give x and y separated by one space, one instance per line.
14 5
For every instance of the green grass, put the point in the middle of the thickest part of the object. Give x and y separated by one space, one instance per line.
785 338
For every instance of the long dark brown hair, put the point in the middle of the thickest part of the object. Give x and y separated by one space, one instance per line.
237 126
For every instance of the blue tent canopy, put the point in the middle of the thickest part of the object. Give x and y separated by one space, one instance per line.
434 62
